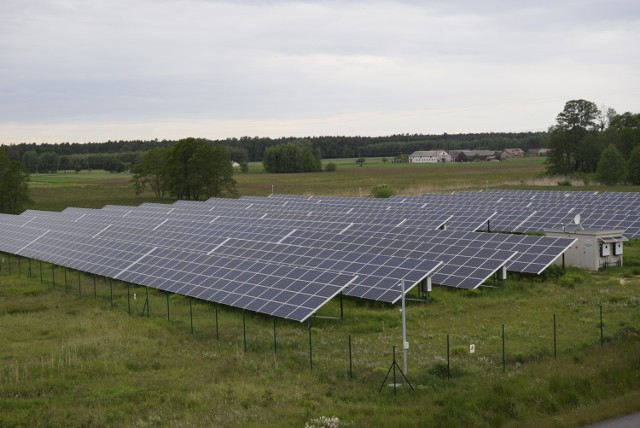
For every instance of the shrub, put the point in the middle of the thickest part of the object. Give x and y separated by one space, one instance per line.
381 191
330 167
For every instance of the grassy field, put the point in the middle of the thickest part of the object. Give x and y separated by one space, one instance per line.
94 189
75 355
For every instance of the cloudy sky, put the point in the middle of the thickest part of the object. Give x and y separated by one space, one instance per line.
94 70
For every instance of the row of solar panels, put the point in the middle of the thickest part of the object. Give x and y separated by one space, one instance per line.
254 255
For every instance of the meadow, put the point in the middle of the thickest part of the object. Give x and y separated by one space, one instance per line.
81 351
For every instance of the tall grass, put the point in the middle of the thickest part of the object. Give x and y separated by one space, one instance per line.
74 356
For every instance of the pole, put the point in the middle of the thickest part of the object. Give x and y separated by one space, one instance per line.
275 343
65 279
79 285
504 362
148 304
244 331
405 344
341 308
555 349
53 276
601 329
217 329
448 360
129 298
40 272
168 318
95 290
191 313
310 349
350 363
111 291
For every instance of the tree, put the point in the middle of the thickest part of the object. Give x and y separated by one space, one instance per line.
611 166
360 161
151 172
633 166
30 161
195 170
14 185
573 124
296 156
48 163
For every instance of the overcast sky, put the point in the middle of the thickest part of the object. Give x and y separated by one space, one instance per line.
94 70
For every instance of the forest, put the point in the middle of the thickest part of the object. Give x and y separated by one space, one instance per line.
119 155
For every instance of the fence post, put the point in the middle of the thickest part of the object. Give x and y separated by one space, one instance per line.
448 360
217 329
310 348
191 313
350 360
555 349
275 343
601 328
504 361
244 331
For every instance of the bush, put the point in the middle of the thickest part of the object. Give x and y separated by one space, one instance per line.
564 183
330 167
382 191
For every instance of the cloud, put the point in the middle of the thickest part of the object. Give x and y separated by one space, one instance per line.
89 71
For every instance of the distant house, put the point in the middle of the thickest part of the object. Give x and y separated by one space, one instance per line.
457 156
511 153
537 152
430 156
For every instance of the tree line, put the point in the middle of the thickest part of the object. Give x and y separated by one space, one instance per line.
590 142
246 149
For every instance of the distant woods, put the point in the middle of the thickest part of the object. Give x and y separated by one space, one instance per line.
588 142
118 156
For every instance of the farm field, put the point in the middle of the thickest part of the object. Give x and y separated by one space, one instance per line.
94 189
83 353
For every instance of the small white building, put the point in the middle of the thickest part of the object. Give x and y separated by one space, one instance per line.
430 156
593 249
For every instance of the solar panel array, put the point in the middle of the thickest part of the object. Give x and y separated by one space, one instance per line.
287 256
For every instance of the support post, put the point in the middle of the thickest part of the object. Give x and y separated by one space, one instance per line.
79 285
95 289
41 280
9 260
341 308
148 303
65 279
129 298
19 266
111 291
29 271
53 276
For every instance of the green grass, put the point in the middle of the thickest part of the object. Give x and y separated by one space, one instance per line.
72 356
